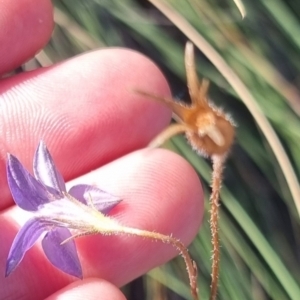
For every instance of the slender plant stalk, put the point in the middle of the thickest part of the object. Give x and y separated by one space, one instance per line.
218 163
173 129
190 264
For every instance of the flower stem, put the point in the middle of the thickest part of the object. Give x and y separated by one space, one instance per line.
218 162
190 264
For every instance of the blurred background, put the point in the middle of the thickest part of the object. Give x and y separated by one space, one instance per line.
253 63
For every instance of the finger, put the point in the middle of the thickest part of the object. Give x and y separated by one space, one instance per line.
160 191
25 27
88 289
84 109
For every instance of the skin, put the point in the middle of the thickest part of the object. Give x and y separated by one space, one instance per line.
88 115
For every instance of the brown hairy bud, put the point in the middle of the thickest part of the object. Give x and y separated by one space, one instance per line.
207 128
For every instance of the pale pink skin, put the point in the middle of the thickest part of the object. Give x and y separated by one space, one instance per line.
88 115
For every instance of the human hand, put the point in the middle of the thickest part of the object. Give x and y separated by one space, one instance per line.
85 111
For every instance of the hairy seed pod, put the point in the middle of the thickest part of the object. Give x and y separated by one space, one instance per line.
207 128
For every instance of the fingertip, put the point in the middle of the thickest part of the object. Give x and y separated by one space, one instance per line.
88 289
25 27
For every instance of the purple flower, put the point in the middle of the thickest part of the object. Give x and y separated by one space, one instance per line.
58 216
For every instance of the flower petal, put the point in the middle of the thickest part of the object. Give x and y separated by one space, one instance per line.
27 192
23 241
62 256
45 171
91 195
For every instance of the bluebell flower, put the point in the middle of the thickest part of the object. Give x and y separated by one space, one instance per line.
58 215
